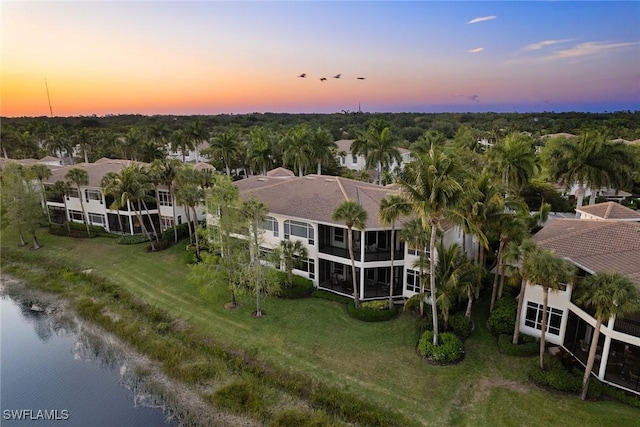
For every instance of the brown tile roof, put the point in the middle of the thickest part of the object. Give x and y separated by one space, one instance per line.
314 197
595 245
95 171
610 210
281 172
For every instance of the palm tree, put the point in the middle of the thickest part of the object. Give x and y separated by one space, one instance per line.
609 294
132 142
391 208
322 147
189 193
254 213
290 253
353 215
260 149
180 140
298 151
83 137
42 172
514 160
79 177
415 235
433 187
426 140
196 134
130 186
516 252
62 188
166 171
225 146
110 187
543 267
379 147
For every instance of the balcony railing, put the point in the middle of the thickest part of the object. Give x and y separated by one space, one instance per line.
628 326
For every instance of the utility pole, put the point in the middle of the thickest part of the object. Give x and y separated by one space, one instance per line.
48 97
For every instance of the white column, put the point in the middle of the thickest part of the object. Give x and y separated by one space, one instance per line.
362 245
605 349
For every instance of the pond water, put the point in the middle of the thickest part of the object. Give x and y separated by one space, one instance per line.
54 372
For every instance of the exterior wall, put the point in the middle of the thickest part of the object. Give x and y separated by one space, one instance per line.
559 300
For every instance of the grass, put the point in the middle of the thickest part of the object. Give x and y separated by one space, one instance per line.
376 361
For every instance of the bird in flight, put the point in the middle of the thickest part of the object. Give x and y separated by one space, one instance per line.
360 78
337 76
323 79
303 75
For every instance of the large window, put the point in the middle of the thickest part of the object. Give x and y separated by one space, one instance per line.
76 216
95 218
338 234
270 224
534 318
412 250
309 266
300 229
164 197
92 195
72 192
166 222
413 281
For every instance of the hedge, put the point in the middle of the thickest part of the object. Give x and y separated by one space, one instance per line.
77 230
503 317
371 313
330 296
448 350
300 288
527 346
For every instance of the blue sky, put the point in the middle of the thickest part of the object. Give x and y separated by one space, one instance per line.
235 57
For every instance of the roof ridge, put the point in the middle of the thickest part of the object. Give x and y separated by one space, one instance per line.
607 213
598 224
344 193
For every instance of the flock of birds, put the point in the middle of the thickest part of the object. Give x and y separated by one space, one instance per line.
324 79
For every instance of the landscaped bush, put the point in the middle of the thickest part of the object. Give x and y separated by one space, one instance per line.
554 375
371 311
296 417
502 318
459 325
77 229
330 296
183 231
242 397
132 239
448 350
300 288
527 346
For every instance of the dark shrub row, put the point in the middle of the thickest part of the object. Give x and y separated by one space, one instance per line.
131 239
502 318
330 296
77 229
300 288
373 311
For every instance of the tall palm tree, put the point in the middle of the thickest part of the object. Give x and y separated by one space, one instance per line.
196 134
544 268
79 177
322 147
379 147
415 235
110 188
254 213
42 172
159 133
609 294
260 149
298 151
514 160
290 254
166 171
391 208
181 140
225 146
132 143
353 215
426 140
84 138
433 187
189 193
515 253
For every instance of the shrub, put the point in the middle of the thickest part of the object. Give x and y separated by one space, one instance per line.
183 231
527 346
375 314
131 239
459 325
448 350
330 296
502 318
241 397
77 229
296 417
300 288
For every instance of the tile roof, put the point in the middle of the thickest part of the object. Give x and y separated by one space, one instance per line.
95 171
281 172
314 197
595 245
611 210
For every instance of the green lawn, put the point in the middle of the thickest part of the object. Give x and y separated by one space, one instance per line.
374 360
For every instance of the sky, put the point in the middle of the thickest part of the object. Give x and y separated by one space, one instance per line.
235 57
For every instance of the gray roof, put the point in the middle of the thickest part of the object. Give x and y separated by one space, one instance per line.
595 245
611 210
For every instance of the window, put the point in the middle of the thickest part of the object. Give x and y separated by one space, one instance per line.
354 159
270 224
412 250
72 192
534 318
338 234
92 195
413 281
95 218
300 229
342 160
164 197
309 266
166 222
338 269
76 216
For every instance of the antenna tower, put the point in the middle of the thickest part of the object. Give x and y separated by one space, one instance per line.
48 97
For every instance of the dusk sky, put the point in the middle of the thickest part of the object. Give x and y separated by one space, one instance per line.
214 57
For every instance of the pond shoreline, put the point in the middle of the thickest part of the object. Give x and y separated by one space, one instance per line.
144 377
